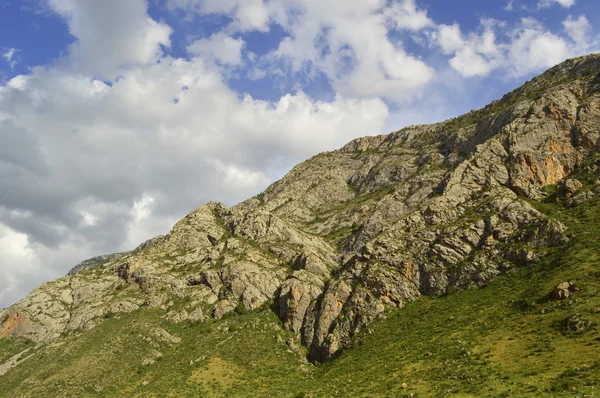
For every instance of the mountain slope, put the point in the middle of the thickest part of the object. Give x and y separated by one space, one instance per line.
342 240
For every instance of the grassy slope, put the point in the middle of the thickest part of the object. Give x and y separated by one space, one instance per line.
242 353
11 347
505 339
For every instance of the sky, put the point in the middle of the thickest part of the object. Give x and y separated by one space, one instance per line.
118 117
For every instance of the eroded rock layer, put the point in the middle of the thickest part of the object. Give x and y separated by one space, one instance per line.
348 234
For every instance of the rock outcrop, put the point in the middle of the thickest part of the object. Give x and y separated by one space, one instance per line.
349 234
565 290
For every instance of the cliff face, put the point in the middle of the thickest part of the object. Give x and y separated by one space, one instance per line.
348 234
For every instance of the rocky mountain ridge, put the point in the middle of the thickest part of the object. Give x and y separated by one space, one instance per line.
349 234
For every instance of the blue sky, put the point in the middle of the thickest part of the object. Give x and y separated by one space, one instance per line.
118 117
40 36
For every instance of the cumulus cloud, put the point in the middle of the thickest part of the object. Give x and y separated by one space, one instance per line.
246 15
17 261
91 167
406 15
25 264
475 55
117 139
350 44
219 47
522 49
578 29
533 48
161 124
111 34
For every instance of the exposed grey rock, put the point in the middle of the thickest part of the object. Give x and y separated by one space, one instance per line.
165 336
196 315
564 290
576 323
349 234
96 261
147 244
222 308
177 316
109 258
579 199
572 185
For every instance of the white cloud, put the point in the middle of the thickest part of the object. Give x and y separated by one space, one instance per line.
406 15
578 29
16 256
247 15
88 168
219 47
238 176
111 35
475 55
469 63
351 45
22 266
88 218
520 50
115 141
525 5
349 42
550 3
25 265
533 48
449 38
142 207
11 57
251 15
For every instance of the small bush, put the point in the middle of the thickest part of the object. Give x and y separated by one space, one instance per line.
240 309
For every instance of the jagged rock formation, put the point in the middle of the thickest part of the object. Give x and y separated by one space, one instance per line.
348 234
96 261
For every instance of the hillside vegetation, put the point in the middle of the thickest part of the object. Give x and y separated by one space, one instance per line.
455 259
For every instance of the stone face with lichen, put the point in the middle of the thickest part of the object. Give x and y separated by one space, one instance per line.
348 234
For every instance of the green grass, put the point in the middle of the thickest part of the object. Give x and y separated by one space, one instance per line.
501 340
505 339
336 237
11 347
107 360
530 91
354 203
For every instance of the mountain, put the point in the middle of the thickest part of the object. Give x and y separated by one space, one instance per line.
459 257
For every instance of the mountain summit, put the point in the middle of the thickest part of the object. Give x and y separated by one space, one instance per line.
322 256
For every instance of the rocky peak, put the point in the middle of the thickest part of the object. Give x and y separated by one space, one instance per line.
349 234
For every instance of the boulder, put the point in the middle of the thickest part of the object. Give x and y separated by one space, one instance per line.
576 323
564 290
196 315
571 186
